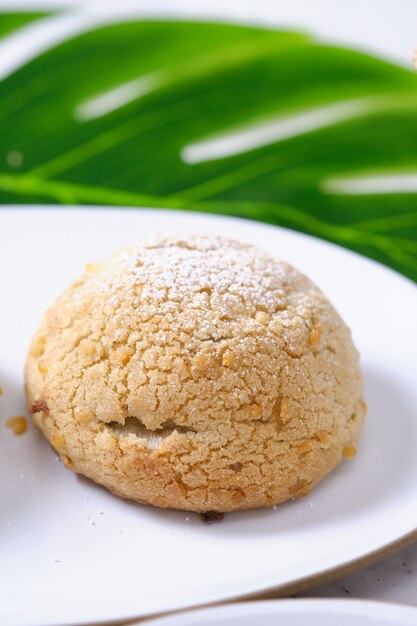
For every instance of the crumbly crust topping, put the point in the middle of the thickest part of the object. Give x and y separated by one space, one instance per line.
199 372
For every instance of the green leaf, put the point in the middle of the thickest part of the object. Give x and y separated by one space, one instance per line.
13 21
269 125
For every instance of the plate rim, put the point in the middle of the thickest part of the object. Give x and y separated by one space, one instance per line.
298 606
333 573
322 576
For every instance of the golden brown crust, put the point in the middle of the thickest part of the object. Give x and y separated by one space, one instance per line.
197 374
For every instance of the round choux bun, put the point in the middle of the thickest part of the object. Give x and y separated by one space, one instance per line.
196 373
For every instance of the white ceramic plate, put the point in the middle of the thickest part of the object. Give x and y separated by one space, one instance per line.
297 613
73 553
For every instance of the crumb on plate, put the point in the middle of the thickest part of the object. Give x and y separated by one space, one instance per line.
17 424
211 516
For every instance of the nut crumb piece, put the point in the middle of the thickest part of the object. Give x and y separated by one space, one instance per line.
202 361
349 452
38 348
255 412
58 440
227 359
39 406
1 391
17 424
262 317
284 408
42 367
82 418
67 461
211 516
304 447
314 338
323 436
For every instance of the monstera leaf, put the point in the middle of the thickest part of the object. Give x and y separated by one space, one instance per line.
272 126
12 21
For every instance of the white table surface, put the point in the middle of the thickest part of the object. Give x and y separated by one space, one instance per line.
391 580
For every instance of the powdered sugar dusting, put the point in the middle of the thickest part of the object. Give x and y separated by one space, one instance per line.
209 274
